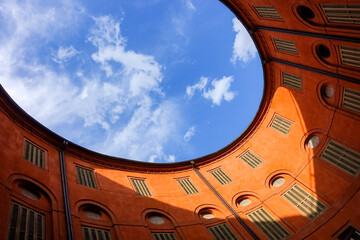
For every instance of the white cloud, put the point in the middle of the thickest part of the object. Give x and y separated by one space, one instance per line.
188 135
130 93
151 125
64 54
148 130
220 91
142 71
179 25
38 89
189 4
171 159
180 20
244 49
190 90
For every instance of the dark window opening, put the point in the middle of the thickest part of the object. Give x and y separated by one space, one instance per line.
306 12
350 233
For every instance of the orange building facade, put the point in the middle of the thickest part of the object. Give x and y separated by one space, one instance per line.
293 174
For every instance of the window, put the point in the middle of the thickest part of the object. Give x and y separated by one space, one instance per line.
34 154
90 233
141 187
350 233
221 176
29 192
24 222
86 177
281 125
187 185
92 213
323 51
351 99
164 236
267 12
222 231
342 157
285 46
268 225
348 14
305 202
251 159
291 81
350 56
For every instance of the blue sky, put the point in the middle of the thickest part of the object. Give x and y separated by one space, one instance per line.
154 80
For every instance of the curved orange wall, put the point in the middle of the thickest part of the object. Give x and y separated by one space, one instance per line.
125 213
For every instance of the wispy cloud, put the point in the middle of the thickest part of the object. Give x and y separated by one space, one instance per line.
220 89
119 95
141 71
190 132
189 4
190 90
180 23
64 54
148 130
244 49
28 81
151 125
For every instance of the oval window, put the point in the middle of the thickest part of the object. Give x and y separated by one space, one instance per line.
92 213
158 220
278 182
244 202
29 193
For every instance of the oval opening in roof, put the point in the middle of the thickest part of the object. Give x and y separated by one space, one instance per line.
156 81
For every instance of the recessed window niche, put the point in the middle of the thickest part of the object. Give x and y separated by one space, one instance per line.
207 214
29 192
210 213
323 51
244 202
305 12
327 91
92 213
156 219
279 179
278 182
313 141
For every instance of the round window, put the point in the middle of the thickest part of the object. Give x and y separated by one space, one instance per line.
29 193
306 12
323 51
328 91
244 202
94 214
278 182
207 215
158 220
313 141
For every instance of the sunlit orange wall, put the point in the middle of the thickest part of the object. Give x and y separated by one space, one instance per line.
283 155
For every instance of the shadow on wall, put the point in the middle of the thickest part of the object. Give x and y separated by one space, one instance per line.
329 150
127 215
